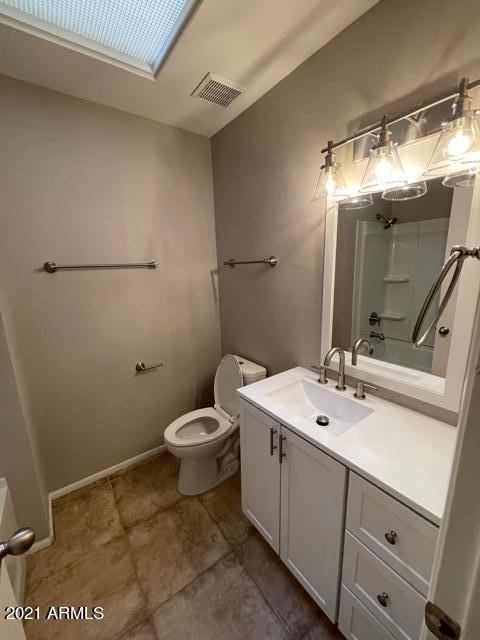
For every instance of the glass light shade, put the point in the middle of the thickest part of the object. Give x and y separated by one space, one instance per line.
463 179
407 192
384 170
330 183
358 202
457 148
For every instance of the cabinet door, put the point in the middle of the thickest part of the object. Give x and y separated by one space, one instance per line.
312 516
259 436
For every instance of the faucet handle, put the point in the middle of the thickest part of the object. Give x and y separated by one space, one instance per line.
360 389
322 373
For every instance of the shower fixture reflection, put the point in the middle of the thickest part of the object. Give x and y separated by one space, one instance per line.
388 221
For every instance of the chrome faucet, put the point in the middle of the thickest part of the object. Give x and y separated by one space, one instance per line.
341 367
361 342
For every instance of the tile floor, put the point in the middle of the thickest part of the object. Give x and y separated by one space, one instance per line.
165 567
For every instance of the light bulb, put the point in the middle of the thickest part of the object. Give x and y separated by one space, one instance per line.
383 169
330 184
458 145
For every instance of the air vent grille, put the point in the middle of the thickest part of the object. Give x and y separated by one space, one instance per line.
217 90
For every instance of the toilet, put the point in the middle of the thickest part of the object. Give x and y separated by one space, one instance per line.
207 440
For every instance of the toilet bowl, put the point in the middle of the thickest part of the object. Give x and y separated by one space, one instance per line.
207 440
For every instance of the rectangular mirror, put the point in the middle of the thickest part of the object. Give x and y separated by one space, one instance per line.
385 259
388 255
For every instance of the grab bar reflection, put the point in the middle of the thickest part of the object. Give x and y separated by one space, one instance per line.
458 255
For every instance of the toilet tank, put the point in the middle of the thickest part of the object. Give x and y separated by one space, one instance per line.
251 372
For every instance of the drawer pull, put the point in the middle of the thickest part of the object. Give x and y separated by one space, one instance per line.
391 537
383 599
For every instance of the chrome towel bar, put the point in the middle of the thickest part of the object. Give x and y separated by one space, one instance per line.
52 267
458 255
272 261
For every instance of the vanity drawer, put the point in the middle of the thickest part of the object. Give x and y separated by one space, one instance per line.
356 622
373 582
398 535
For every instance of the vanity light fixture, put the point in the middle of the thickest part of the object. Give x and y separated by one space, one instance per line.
456 155
458 147
361 201
407 192
462 179
384 170
331 182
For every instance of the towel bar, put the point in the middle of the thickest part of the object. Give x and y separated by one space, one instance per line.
52 267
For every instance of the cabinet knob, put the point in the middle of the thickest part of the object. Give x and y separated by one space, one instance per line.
383 599
391 537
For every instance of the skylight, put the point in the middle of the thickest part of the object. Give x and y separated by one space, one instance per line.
133 33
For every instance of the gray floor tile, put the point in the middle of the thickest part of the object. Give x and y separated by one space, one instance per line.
180 564
146 488
280 588
143 631
83 521
324 630
173 547
104 578
221 603
224 504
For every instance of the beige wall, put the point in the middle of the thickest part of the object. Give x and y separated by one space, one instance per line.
266 163
83 183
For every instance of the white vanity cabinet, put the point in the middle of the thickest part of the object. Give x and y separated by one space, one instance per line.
294 494
387 565
259 437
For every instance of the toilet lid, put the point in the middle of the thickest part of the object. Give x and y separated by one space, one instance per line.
228 379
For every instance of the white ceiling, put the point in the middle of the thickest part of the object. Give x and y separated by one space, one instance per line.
254 43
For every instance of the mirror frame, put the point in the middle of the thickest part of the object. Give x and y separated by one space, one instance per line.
433 391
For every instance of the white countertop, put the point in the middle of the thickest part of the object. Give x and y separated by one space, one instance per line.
406 453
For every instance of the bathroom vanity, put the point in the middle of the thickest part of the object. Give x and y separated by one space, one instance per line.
352 507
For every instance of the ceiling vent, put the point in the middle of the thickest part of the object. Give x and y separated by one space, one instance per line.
217 90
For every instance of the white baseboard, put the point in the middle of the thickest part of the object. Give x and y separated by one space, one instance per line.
45 542
84 482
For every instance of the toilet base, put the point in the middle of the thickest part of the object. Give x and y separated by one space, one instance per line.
198 476
228 471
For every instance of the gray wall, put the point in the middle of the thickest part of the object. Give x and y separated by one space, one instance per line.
84 183
266 163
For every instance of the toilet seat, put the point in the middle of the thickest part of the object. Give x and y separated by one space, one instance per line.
211 423
207 441
197 428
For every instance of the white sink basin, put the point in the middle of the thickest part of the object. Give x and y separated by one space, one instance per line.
310 400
